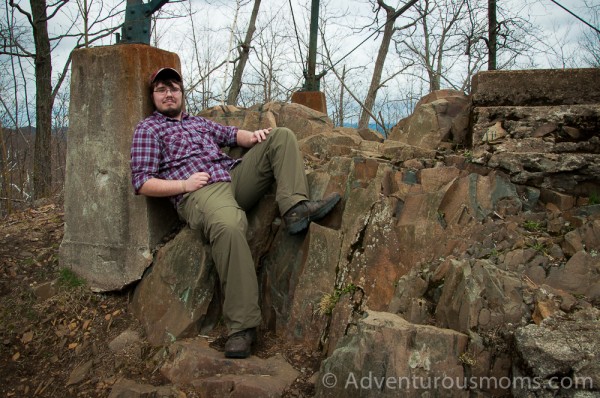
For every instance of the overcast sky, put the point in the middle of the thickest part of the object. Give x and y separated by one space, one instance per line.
555 22
557 25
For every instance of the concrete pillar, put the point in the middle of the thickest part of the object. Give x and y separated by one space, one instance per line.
110 232
312 99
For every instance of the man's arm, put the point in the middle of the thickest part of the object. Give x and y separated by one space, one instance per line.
247 139
161 188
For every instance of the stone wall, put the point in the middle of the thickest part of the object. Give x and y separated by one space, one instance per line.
541 127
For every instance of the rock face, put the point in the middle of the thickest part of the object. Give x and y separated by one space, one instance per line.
541 129
194 363
434 266
563 352
441 117
418 359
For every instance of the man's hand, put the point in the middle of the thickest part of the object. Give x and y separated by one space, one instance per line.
247 139
196 181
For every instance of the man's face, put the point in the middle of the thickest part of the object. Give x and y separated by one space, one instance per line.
168 99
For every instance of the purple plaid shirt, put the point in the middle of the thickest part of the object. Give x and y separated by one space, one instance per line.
170 149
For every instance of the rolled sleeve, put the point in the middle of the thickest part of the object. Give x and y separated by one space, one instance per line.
145 157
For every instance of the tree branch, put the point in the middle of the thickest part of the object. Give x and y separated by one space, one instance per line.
22 11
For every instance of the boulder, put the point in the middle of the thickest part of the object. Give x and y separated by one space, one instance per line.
193 363
174 299
562 354
370 135
579 276
302 120
388 357
438 117
478 296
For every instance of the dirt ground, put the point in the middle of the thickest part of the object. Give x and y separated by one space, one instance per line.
55 333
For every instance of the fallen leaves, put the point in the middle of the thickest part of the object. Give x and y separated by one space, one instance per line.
54 339
27 337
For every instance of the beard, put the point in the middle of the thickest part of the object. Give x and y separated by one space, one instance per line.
172 112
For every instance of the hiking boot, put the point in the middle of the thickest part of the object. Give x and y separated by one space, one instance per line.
238 344
298 217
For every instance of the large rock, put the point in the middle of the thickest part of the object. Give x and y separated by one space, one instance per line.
193 363
315 281
389 357
437 118
173 300
480 297
179 295
300 119
562 354
579 276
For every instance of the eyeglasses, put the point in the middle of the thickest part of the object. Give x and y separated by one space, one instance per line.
163 90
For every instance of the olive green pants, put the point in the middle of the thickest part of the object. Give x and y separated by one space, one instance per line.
218 212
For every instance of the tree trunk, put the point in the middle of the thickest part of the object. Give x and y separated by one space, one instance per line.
341 112
236 82
381 55
42 168
4 171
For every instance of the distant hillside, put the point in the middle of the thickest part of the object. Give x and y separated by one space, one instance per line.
372 126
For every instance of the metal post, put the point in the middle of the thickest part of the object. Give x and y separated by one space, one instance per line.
312 82
492 33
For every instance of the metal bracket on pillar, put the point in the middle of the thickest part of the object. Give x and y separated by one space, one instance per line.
137 25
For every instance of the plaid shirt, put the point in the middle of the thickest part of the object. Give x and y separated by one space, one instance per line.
170 149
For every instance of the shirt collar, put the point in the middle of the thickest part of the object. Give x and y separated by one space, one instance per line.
162 117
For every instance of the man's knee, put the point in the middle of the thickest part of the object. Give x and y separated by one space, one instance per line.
283 133
228 221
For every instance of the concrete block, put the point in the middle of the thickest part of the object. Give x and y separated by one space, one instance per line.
109 232
536 87
312 99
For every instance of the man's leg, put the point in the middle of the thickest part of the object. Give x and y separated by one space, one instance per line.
278 159
214 212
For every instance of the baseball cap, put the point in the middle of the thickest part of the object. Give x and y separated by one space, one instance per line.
165 73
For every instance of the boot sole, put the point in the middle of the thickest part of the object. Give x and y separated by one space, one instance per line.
302 224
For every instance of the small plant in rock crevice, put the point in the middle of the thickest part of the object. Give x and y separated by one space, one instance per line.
328 301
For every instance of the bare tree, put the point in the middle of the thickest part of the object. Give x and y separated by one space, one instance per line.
274 71
205 58
439 36
590 41
244 52
41 13
5 191
391 14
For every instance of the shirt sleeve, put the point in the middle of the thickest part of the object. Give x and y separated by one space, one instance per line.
222 135
145 156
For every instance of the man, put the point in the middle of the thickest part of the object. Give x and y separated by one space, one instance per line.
178 156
